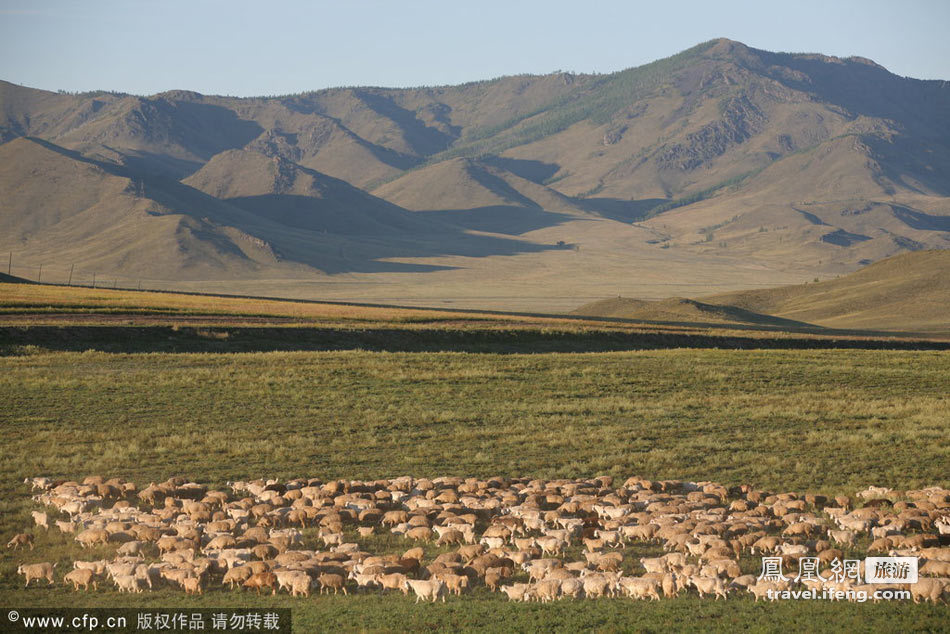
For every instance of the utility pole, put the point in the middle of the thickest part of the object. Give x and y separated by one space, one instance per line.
39 276
70 282
93 280
10 264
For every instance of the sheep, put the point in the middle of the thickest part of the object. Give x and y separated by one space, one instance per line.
571 587
640 588
262 580
936 568
643 532
43 570
842 537
547 590
595 585
607 562
610 538
41 483
221 542
593 544
237 575
130 548
686 518
328 580
97 567
550 545
766 545
939 554
285 577
874 493
454 583
430 589
709 585
420 533
81 577
450 537
92 536
127 583
763 589
655 564
392 518
493 577
516 592
394 581
19 540
669 585
928 588
192 585
331 539
539 568
40 519
300 585
365 580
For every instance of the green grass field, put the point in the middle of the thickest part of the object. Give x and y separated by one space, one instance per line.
828 421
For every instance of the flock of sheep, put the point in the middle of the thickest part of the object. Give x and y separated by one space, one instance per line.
530 539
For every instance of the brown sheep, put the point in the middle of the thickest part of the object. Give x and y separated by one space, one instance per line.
421 533
81 577
20 539
391 518
262 580
450 537
492 578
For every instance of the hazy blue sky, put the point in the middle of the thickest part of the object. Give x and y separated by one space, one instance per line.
256 48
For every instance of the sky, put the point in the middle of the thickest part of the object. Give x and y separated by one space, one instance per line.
243 48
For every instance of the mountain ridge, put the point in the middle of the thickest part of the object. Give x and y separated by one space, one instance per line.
798 164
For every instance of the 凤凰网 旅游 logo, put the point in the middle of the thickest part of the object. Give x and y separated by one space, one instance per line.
890 570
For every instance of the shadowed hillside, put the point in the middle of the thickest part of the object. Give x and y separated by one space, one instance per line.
111 217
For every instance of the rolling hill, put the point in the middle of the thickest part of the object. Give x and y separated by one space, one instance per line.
908 292
721 168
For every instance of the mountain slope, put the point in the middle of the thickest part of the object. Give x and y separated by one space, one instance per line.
722 166
909 292
106 220
680 310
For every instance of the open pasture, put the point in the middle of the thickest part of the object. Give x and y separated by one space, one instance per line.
819 421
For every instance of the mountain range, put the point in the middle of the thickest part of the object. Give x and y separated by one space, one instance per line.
722 168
